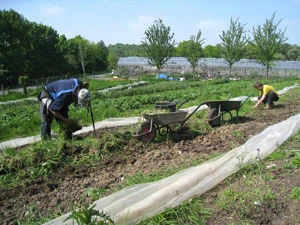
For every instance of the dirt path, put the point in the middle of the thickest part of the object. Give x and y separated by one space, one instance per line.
66 187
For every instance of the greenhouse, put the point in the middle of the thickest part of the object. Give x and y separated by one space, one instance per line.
208 67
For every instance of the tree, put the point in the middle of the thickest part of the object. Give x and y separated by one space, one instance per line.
249 52
233 43
102 56
64 47
293 53
43 56
210 51
158 44
191 50
23 81
125 50
267 40
112 61
13 44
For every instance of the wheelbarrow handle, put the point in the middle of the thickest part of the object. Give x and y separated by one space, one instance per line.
182 104
246 99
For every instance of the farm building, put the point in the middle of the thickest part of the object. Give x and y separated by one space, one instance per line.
208 67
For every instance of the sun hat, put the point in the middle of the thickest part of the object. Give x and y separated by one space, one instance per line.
84 97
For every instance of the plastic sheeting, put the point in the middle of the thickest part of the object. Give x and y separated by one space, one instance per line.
135 203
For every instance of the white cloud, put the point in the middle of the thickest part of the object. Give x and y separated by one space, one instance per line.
51 10
142 23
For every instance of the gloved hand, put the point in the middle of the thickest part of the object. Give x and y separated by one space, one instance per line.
74 125
76 128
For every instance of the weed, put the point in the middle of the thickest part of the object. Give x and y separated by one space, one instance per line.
295 194
95 193
237 134
245 200
295 161
189 212
88 216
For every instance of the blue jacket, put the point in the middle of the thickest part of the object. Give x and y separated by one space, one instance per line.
62 92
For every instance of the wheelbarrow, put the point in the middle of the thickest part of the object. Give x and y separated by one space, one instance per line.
160 122
219 108
155 122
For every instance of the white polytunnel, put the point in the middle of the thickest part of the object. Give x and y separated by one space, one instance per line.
135 203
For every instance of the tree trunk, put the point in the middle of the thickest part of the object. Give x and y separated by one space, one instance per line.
2 88
25 89
194 72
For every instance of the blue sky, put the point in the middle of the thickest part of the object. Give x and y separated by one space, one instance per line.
125 21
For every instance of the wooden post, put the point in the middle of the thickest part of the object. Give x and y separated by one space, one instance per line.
2 88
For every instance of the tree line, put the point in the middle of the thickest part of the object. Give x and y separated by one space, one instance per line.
32 50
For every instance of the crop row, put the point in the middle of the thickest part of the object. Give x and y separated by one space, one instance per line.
23 119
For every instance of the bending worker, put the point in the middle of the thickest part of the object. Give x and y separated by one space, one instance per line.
267 95
55 99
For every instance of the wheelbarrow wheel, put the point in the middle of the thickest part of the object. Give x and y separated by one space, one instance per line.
145 132
213 117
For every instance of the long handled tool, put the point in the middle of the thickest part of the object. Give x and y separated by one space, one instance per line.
89 104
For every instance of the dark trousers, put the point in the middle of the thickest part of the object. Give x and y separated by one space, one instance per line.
46 115
47 118
270 98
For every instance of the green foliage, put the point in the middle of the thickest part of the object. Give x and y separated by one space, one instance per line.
212 51
89 216
95 193
37 50
295 161
244 200
37 160
295 194
45 157
111 142
158 44
23 80
112 60
32 216
191 49
21 119
276 155
192 211
233 42
267 40
125 50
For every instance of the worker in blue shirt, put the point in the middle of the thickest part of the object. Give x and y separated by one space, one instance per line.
55 99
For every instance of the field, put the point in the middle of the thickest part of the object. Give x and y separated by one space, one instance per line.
73 174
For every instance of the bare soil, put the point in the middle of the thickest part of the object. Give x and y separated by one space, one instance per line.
59 192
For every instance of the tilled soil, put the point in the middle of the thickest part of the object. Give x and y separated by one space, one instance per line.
68 187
